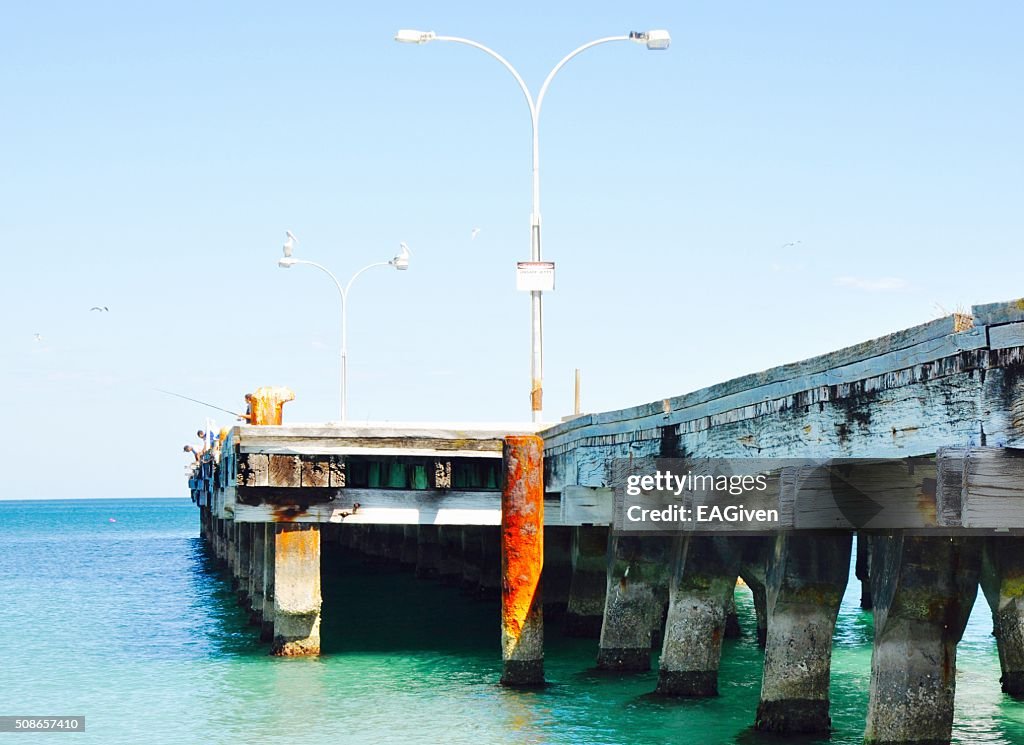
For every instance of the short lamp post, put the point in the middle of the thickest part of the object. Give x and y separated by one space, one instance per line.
655 40
399 262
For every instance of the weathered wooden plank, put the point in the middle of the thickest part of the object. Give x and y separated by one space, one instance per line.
993 491
336 471
393 507
582 505
935 331
339 448
930 359
285 470
949 486
993 313
253 469
314 471
1009 335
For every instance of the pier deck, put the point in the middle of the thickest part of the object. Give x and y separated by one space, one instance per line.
935 415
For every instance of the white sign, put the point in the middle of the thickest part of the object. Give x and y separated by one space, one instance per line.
535 276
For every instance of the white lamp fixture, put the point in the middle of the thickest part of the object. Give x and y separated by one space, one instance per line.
411 36
655 39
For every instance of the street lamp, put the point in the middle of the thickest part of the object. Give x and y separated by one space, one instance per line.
399 262
654 40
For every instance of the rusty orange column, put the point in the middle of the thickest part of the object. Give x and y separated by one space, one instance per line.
267 404
522 559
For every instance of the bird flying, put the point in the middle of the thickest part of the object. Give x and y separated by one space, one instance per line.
101 309
38 337
474 234
289 244
791 244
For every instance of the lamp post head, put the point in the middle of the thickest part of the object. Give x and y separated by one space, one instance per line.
287 262
401 261
654 39
411 36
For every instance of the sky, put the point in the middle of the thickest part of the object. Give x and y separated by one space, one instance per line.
788 179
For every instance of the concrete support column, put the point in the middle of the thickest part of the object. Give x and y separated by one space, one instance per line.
806 579
231 528
296 589
732 618
557 570
490 562
703 582
522 561
375 543
243 561
472 557
635 601
1002 580
408 556
394 539
585 609
923 588
219 549
428 551
450 564
753 572
269 555
863 569
257 573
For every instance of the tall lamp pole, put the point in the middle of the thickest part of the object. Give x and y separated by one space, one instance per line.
400 262
657 39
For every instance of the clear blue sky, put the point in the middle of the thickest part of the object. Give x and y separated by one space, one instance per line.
152 156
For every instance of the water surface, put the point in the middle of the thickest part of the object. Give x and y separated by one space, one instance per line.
133 625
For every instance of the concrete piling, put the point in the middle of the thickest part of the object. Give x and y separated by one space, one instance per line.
472 557
522 561
490 563
863 569
806 579
635 602
923 588
450 564
407 557
703 582
428 551
753 566
269 569
557 571
244 562
732 618
585 609
1002 581
296 590
257 572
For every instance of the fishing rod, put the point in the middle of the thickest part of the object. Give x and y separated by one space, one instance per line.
197 401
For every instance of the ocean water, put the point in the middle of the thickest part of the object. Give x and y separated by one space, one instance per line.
130 623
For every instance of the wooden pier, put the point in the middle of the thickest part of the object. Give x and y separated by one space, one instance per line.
935 412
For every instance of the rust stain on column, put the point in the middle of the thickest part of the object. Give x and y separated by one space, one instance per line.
268 402
296 590
522 559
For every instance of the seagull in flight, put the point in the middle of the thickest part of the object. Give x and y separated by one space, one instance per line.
101 309
38 337
791 244
474 234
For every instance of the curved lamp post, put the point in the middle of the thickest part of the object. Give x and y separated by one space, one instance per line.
657 39
400 262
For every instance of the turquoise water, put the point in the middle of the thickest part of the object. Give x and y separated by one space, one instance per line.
131 624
